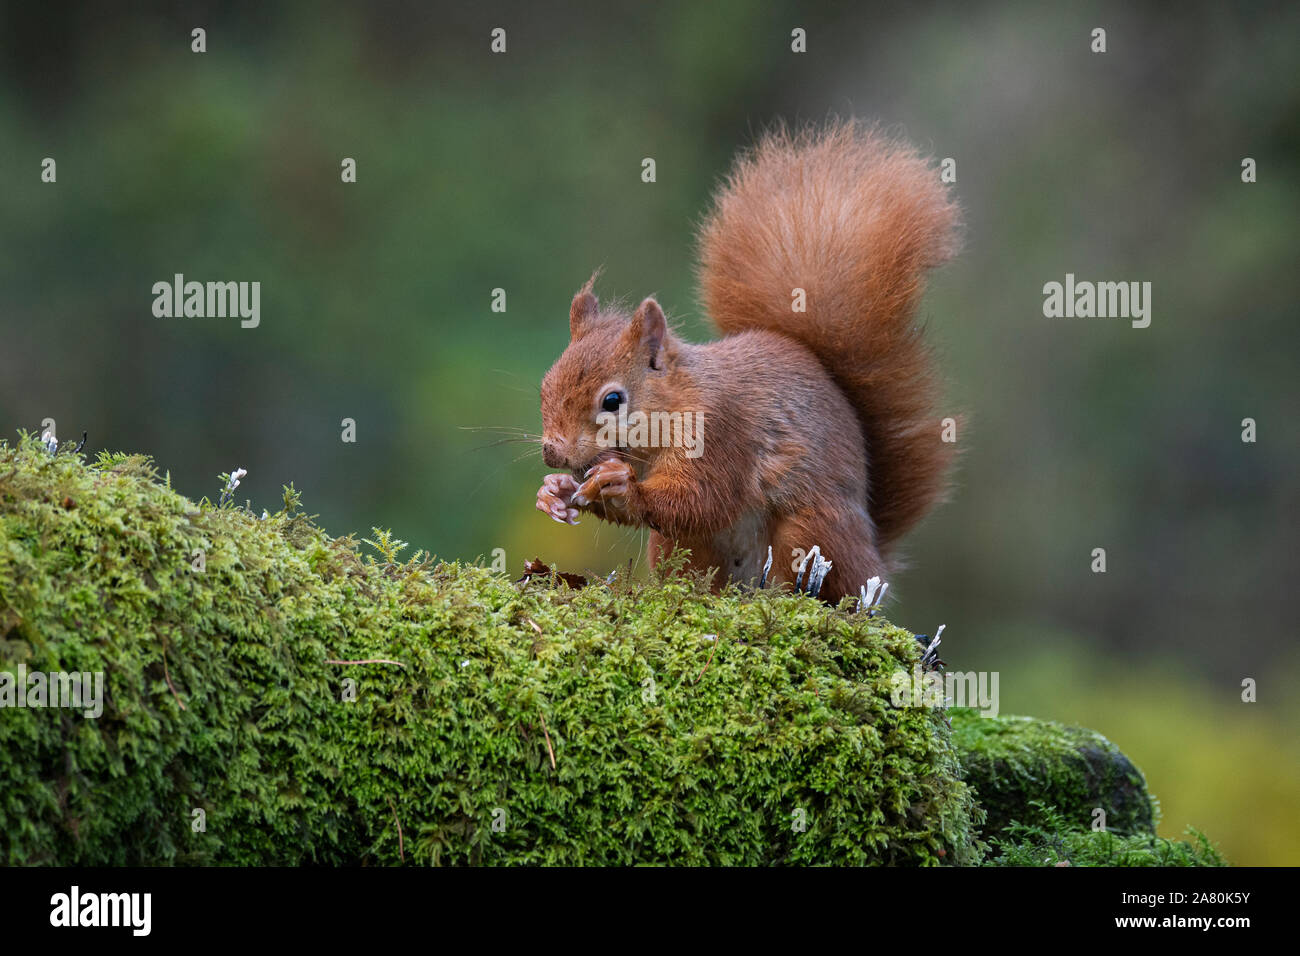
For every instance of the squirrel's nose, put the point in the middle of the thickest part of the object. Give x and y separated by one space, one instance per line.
553 451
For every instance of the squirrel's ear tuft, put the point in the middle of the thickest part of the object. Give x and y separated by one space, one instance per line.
583 309
649 328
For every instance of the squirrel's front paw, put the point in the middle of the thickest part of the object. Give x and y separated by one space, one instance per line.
555 498
609 482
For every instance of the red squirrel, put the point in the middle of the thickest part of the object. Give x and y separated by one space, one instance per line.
818 422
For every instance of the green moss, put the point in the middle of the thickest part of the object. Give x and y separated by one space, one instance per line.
1018 764
1055 842
639 723
592 726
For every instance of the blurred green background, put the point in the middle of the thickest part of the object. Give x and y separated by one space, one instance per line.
522 171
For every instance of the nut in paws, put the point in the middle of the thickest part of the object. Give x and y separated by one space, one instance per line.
608 482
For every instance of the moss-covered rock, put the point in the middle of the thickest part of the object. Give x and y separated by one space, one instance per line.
244 722
1041 783
1019 765
1056 841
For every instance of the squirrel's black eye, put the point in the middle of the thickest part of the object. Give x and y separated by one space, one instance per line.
613 400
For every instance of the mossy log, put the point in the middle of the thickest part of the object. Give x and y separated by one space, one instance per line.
274 696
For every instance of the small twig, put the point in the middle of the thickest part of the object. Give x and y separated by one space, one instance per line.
716 642
401 851
533 624
168 677
549 749
369 660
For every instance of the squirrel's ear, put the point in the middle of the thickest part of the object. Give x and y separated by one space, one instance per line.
583 309
649 327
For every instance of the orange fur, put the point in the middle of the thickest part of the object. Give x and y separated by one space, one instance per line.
819 425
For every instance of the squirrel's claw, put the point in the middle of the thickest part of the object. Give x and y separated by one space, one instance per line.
554 499
609 481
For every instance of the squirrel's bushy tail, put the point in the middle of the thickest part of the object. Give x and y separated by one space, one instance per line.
854 219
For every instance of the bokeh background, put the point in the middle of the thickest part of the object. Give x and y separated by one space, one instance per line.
522 171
